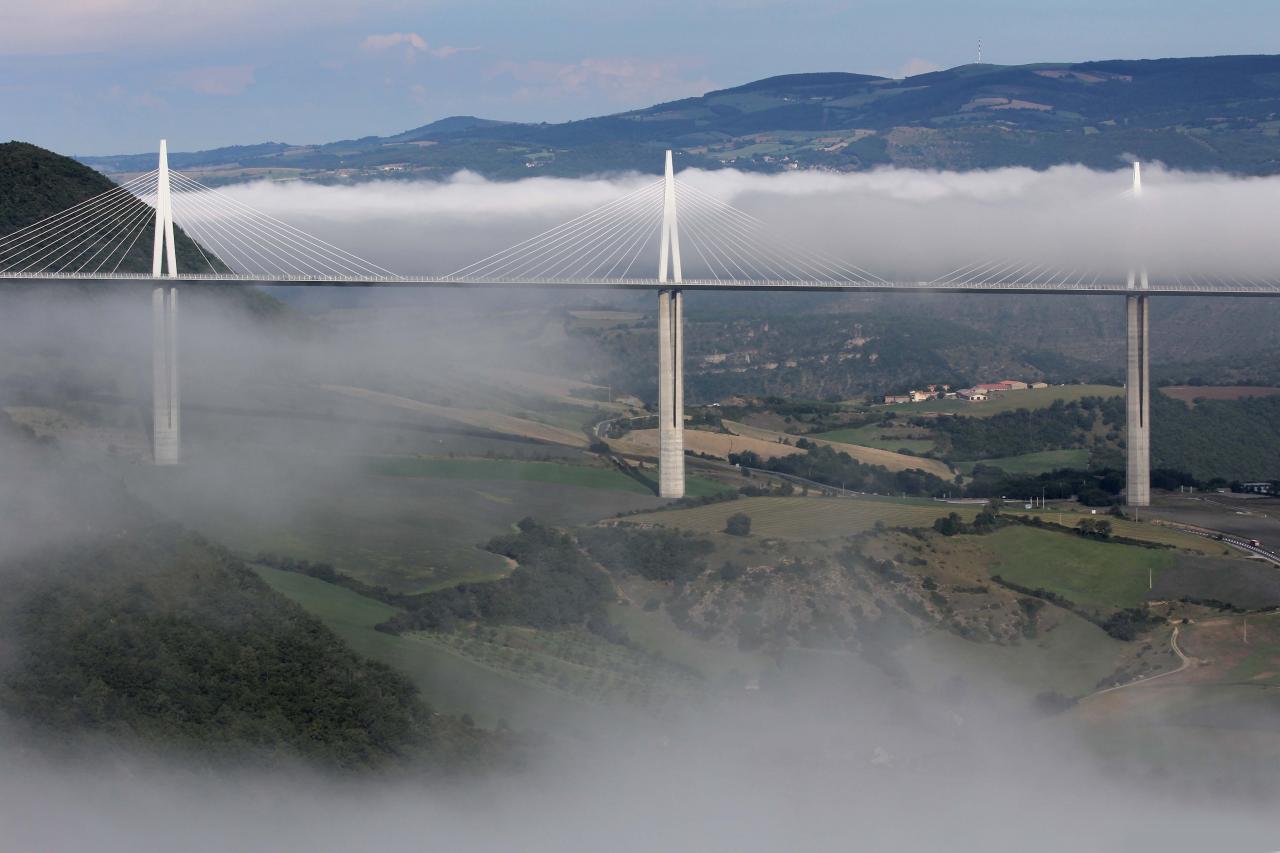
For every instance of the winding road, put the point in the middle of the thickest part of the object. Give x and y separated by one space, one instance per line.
1187 663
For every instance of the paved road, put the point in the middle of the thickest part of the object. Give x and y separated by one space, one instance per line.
1227 539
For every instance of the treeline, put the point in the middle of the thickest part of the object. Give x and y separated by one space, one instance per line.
1060 425
986 521
553 586
1099 487
658 555
327 573
813 412
1226 439
835 468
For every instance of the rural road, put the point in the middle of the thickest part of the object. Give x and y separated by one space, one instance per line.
1173 644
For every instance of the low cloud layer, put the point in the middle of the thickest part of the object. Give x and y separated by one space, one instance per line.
896 223
841 762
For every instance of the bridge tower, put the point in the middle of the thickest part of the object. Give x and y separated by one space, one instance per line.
670 350
165 423
1137 382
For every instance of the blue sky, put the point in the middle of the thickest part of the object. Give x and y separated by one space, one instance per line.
112 76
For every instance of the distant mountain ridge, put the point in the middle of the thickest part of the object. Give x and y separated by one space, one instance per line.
1195 113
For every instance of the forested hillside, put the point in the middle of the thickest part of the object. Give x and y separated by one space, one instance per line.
1232 439
118 625
818 346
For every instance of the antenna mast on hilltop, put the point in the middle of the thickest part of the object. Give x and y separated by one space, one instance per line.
979 51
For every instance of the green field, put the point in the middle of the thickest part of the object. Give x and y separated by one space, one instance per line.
449 681
1034 398
591 477
808 518
873 435
1033 463
560 473
1071 515
528 678
1262 664
411 534
656 632
1098 575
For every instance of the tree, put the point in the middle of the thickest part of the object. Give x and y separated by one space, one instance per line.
951 525
738 524
1094 529
1096 497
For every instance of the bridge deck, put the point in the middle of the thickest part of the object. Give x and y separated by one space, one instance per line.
1096 288
1116 288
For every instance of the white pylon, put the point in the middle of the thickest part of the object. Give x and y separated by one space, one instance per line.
670 248
1138 380
163 245
670 349
166 432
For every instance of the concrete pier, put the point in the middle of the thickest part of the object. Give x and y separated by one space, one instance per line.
166 426
1138 401
670 394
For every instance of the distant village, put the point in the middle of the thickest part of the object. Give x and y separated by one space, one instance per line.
976 394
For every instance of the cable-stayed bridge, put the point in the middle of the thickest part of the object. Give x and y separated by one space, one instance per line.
698 241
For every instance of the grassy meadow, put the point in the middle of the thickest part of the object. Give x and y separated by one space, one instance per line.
408 533
880 437
524 677
452 682
586 476
1033 463
1032 398
1102 576
808 517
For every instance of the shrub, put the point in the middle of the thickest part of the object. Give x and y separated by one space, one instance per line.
731 571
738 524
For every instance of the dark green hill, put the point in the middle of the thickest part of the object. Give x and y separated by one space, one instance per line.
117 625
1219 112
36 184
1231 439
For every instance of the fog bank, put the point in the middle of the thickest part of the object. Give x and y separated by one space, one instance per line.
817 768
892 222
